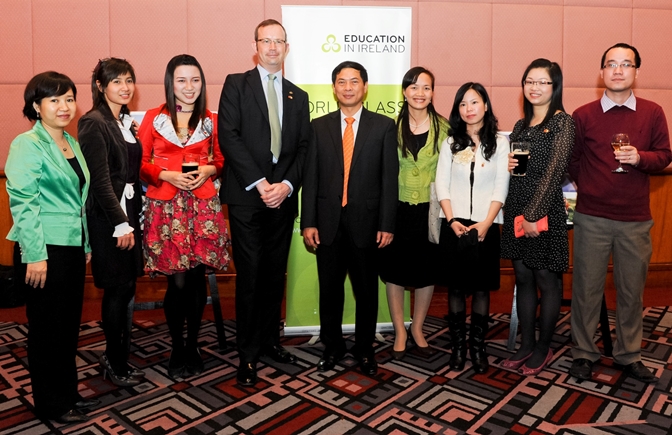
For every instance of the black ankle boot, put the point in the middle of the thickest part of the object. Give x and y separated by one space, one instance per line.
458 340
177 360
477 344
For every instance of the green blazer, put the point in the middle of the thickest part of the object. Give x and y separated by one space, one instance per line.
44 196
416 176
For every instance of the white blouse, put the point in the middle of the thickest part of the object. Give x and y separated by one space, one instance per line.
491 180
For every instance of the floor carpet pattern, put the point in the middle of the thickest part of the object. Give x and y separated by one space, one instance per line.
414 396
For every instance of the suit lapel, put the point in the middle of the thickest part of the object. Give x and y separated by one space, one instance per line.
362 134
336 136
287 101
254 81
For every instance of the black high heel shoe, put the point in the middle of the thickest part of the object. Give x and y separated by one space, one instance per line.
425 351
119 381
135 373
399 354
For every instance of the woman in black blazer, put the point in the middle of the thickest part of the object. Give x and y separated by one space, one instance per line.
107 134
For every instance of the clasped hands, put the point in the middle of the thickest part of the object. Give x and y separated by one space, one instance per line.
190 180
274 194
460 230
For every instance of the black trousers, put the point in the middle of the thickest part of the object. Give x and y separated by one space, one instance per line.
54 314
333 263
260 240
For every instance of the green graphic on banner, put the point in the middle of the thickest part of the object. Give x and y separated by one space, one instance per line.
302 306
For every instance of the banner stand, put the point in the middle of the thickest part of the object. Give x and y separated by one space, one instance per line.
321 37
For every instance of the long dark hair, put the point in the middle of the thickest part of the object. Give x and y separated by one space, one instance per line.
458 128
410 78
555 73
199 105
105 71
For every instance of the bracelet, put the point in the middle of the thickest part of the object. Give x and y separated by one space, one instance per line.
450 222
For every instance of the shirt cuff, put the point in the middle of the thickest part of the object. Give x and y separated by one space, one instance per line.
122 229
291 188
253 185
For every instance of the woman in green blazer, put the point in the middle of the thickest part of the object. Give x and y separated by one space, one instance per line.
47 183
410 262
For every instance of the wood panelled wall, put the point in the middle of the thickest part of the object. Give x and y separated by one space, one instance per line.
660 269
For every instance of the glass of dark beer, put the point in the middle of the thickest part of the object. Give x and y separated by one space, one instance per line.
190 162
521 153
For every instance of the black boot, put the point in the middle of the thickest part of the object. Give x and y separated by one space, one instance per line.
458 340
477 344
176 364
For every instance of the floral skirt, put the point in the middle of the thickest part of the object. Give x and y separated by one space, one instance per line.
184 232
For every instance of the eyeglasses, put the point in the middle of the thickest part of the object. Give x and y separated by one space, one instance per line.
624 65
267 42
537 82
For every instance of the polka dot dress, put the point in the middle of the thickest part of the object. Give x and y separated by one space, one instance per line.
539 193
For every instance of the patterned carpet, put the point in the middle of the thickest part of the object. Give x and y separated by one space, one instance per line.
415 396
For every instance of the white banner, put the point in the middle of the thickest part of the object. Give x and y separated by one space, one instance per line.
321 37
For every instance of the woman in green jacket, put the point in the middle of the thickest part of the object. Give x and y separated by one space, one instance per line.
47 183
410 260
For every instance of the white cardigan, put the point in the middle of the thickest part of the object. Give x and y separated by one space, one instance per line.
491 181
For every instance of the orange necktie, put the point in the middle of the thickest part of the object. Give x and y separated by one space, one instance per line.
348 148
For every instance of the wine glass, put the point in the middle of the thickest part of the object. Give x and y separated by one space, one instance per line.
617 141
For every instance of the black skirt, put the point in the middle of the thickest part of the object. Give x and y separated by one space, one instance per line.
410 260
469 268
110 265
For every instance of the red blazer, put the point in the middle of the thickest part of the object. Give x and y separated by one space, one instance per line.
160 151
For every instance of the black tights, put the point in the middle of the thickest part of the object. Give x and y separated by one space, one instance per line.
115 320
185 300
480 302
527 301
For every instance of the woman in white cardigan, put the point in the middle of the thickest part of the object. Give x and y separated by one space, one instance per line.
472 181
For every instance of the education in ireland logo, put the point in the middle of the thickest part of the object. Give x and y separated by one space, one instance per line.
331 45
366 44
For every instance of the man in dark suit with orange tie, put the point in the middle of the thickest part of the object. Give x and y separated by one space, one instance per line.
264 130
349 204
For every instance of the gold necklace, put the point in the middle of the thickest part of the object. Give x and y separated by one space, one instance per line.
64 147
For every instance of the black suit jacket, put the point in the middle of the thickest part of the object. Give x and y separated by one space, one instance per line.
373 185
245 138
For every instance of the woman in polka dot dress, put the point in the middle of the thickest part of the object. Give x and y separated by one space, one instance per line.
539 258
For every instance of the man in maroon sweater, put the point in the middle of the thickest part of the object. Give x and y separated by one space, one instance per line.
612 213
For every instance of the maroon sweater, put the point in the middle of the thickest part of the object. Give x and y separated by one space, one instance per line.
601 193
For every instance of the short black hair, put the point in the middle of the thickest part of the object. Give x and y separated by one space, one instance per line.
638 60
349 64
44 85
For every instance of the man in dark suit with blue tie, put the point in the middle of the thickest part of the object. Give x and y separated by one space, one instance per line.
349 205
264 130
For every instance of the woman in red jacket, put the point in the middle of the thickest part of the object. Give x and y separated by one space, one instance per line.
184 226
